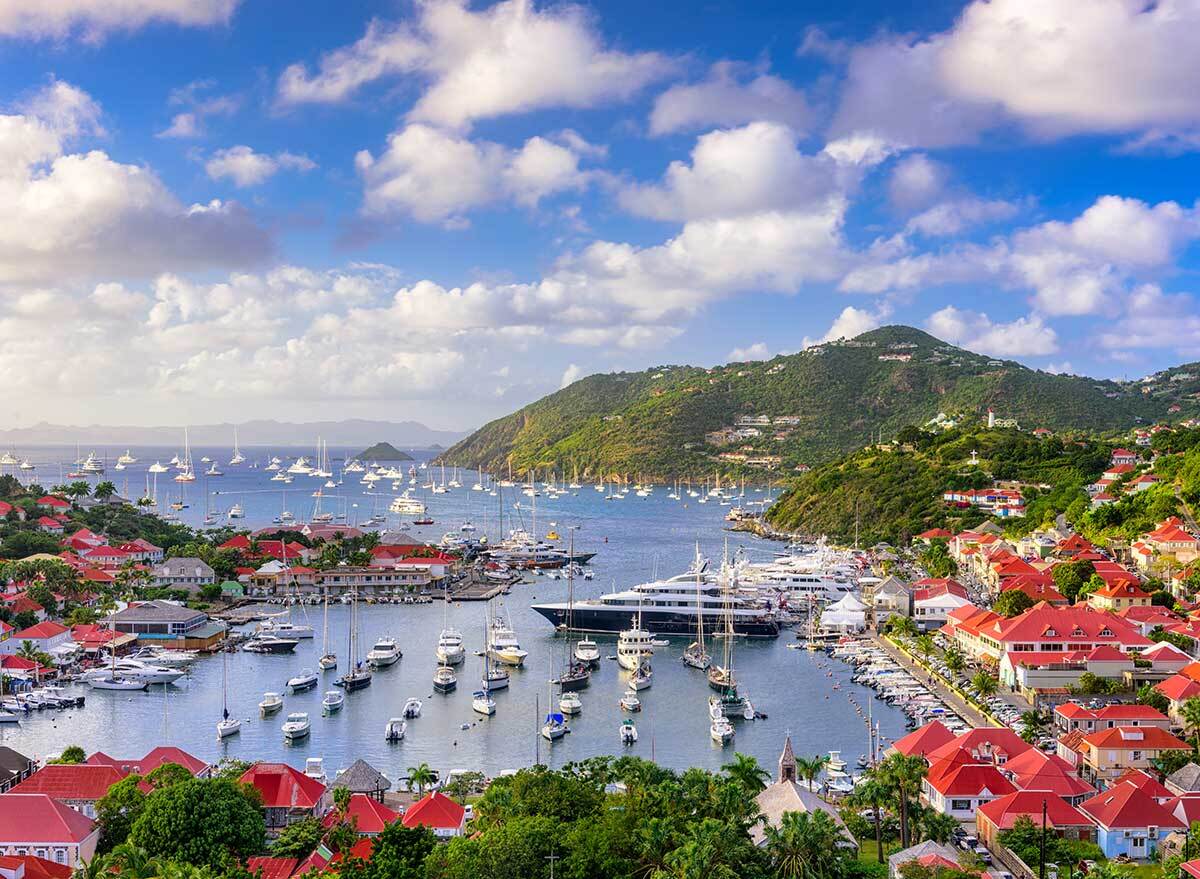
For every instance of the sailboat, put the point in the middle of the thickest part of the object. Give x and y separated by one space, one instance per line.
730 703
328 660
694 654
237 457
577 674
226 726
186 473
494 678
450 649
481 700
555 725
358 676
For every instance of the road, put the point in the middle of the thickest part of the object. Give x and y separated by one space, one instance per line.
965 710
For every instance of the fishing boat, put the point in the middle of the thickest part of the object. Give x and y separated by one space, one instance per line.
306 680
630 701
297 726
412 707
721 731
628 732
332 701
226 726
483 703
271 702
385 652
358 676
395 729
444 679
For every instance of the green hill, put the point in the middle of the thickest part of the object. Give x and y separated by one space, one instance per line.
822 402
383 452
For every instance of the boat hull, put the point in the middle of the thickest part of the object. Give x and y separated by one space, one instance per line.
350 683
615 621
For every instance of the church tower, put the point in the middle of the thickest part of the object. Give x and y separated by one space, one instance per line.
787 761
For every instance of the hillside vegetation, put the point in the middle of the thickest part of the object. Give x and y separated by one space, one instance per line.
836 397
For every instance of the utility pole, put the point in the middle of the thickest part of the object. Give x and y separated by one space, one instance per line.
1042 845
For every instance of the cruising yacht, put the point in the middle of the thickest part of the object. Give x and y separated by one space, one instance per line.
300 466
270 643
297 726
587 651
127 458
112 681
357 677
450 649
502 644
91 464
674 606
137 670
523 550
26 464
570 703
634 645
406 505
284 628
384 653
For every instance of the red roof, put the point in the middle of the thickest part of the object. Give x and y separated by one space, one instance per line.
1137 738
1185 808
1122 589
1125 806
52 501
65 781
1178 687
238 541
157 757
985 741
435 810
40 818
47 629
281 786
35 867
967 780
921 741
1146 783
369 816
1005 811
935 534
272 868
1046 623
47 522
1037 771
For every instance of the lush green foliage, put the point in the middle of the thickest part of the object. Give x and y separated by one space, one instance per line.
205 822
1024 840
1012 603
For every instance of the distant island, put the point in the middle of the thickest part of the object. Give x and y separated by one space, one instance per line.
383 452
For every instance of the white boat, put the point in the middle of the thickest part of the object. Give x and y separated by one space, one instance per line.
314 768
333 701
642 678
236 512
91 464
630 701
297 726
554 727
157 467
570 703
444 679
127 458
226 726
280 627
628 732
136 670
412 707
587 650
306 680
450 649
237 457
166 656
502 644
395 729
483 703
271 702
328 660
385 652
634 645
8 717
113 681
721 731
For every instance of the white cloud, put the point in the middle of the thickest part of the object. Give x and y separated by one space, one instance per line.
1106 66
72 215
570 375
724 100
93 19
915 182
435 176
1023 337
247 168
744 170
199 106
756 351
1156 320
955 216
851 322
508 58
1061 368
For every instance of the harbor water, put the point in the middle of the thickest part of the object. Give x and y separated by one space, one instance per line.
805 694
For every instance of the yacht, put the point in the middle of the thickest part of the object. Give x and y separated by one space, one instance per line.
297 726
237 457
407 506
280 627
127 458
333 701
300 466
306 680
628 732
236 512
394 729
444 679
228 726
137 670
523 550
384 653
670 607
157 467
634 645
270 643
502 644
642 677
165 656
109 680
271 702
91 464
554 727
314 768
450 649
570 703
483 703
630 701
213 471
26 464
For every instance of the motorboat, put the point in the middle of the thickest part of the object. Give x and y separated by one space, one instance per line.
634 645
385 652
444 679
333 701
570 703
110 680
628 732
270 644
297 726
271 702
483 703
450 649
306 680
721 731
630 701
7 716
395 729
281 627
135 669
314 768
503 645
412 707
588 651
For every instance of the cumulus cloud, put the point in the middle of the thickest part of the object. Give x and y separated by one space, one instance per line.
1108 66
724 99
957 215
198 105
756 351
851 322
570 375
72 215
1023 337
435 176
93 19
509 58
247 168
915 182
1156 320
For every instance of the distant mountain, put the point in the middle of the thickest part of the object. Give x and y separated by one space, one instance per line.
383 452
815 405
353 433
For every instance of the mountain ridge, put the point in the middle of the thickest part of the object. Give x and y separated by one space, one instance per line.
833 398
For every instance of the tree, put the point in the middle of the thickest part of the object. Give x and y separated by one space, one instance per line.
299 839
1189 715
398 852
210 591
201 821
937 826
104 490
71 753
1033 724
924 643
77 489
875 795
984 684
1093 685
809 768
898 624
1148 695
1069 577
19 544
954 659
81 616
902 775
167 775
937 561
421 776
117 810
805 845
29 650
1012 603
746 773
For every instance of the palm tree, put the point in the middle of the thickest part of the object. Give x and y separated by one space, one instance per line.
983 684
104 490
804 846
954 659
809 768
1033 723
925 644
902 625
937 826
132 862
875 795
421 776
902 775
745 771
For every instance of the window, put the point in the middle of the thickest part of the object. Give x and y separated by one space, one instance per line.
960 805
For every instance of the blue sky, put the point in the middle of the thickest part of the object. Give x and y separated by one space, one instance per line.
224 209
